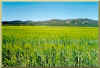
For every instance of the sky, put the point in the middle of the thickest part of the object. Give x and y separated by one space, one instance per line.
40 11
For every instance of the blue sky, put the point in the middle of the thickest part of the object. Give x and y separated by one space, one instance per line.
39 11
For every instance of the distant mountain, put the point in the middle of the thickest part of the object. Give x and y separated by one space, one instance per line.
55 22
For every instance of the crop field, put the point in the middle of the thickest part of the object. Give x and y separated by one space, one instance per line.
48 46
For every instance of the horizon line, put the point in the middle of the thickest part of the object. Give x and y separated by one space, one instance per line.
52 19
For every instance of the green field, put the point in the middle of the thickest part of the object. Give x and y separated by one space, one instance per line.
49 46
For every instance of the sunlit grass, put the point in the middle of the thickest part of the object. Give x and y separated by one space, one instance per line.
50 46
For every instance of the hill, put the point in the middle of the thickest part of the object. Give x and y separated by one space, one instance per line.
55 22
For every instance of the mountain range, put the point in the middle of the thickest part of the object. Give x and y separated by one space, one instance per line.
55 22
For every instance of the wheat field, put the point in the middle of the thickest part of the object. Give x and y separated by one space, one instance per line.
49 46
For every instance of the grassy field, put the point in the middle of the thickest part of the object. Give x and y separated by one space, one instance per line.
49 46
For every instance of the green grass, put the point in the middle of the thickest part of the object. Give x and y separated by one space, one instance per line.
49 46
